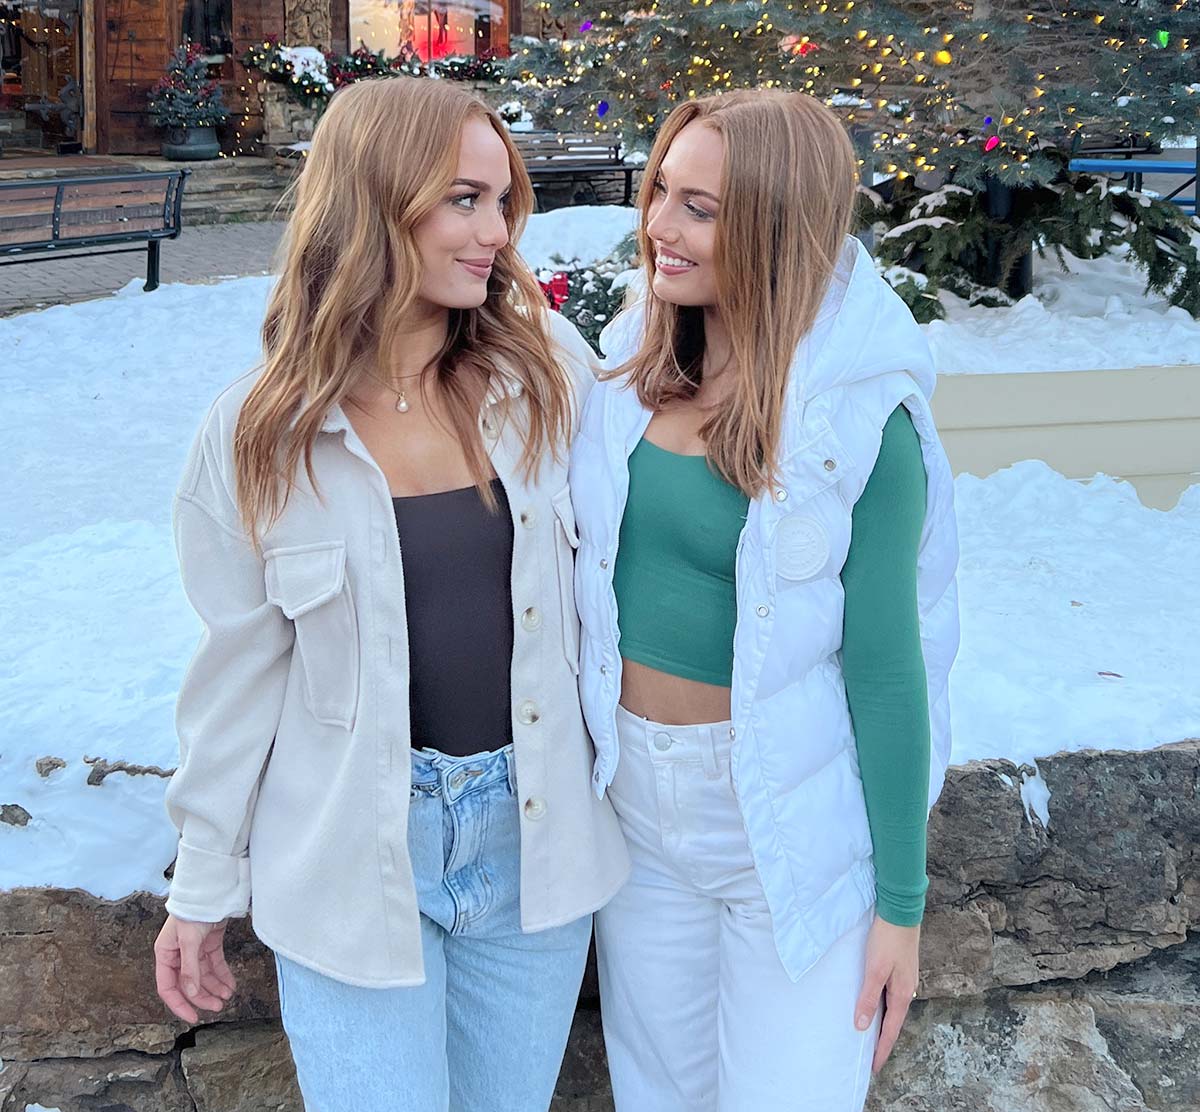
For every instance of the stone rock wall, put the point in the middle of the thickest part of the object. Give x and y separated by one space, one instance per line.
1058 972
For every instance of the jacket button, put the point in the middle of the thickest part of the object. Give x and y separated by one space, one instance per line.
763 611
531 619
534 808
527 712
603 563
830 464
604 669
489 425
528 518
781 495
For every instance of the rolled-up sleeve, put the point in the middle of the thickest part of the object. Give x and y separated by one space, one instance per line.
230 701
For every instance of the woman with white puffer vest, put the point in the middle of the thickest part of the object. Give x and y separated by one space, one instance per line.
766 584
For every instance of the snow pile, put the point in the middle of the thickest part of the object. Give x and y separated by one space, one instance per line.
585 234
1078 611
1094 317
308 63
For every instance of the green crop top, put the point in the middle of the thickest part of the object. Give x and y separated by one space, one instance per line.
677 607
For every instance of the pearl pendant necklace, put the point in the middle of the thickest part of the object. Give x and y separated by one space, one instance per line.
401 402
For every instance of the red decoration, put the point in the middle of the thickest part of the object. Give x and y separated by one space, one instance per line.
557 290
806 48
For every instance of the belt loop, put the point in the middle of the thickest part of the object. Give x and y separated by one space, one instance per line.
708 752
510 760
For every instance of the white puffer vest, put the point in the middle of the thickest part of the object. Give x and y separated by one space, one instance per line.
795 764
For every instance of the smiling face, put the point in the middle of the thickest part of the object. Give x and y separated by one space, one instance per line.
681 218
459 238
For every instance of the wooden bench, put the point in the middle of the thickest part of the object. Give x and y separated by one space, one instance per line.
550 155
1134 169
39 219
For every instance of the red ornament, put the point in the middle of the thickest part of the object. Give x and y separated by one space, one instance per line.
806 48
666 84
557 290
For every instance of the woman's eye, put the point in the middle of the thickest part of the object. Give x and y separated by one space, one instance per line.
659 187
465 201
695 210
504 202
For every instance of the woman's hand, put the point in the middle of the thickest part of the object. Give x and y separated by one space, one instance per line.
190 969
892 964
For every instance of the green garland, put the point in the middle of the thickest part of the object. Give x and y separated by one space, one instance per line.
268 59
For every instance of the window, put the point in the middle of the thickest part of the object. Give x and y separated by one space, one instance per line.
210 24
432 28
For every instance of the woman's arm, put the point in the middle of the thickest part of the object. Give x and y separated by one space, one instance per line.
885 671
231 698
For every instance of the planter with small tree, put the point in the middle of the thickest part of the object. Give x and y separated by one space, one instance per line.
189 105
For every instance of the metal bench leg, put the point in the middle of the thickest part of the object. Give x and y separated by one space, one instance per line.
628 187
153 249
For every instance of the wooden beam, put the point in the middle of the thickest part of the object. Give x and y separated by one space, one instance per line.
89 76
99 98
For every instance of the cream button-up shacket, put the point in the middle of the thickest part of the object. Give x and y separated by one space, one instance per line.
292 791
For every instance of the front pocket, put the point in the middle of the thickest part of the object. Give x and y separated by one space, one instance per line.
566 541
308 583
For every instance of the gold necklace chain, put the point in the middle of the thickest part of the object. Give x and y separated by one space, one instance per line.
401 398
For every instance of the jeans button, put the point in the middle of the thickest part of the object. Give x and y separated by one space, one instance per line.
662 740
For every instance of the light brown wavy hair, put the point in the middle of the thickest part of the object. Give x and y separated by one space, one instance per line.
384 154
787 200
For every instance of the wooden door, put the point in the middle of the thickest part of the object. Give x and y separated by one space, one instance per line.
134 40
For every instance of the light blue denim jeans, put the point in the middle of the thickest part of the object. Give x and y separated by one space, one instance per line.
488 1029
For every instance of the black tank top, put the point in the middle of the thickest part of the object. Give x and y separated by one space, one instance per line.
457 559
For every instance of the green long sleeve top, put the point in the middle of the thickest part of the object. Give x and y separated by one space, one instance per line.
676 600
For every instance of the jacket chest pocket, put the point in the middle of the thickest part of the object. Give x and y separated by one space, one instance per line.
566 541
308 583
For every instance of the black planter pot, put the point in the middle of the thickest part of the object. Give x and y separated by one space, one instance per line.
191 144
1001 200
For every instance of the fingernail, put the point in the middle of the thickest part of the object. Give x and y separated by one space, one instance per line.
861 1022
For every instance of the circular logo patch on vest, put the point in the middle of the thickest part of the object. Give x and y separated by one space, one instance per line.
801 547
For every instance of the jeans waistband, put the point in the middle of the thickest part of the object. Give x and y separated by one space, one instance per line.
707 742
453 777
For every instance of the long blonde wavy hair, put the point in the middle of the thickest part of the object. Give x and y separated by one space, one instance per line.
787 198
383 156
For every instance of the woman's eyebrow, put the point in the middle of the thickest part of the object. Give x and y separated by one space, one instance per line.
482 186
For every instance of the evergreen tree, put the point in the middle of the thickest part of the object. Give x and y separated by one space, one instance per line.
184 96
988 88
948 104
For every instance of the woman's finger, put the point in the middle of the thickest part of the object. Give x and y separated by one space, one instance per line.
868 998
896 1004
189 963
166 980
222 975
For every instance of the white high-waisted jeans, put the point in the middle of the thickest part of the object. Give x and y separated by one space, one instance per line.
699 1014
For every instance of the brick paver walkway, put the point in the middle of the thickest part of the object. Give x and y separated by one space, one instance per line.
203 253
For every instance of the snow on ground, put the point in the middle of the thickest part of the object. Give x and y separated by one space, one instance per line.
1093 318
1078 609
584 233
102 399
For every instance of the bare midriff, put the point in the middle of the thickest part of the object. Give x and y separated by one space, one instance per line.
671 700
